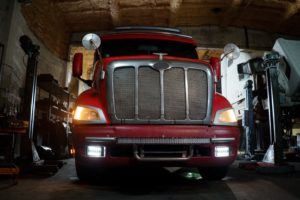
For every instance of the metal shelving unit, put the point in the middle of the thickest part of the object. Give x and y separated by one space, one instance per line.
52 114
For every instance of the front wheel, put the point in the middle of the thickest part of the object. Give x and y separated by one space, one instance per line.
89 173
213 173
83 173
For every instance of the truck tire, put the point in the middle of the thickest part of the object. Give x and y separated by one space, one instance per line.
83 173
213 173
86 173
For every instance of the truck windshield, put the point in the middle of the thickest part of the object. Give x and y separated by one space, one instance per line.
133 47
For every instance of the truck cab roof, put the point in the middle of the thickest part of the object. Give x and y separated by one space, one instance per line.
145 32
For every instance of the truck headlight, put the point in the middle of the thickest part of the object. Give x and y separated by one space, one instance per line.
225 117
89 114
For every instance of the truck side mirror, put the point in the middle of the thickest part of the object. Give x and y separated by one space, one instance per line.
231 51
77 65
216 65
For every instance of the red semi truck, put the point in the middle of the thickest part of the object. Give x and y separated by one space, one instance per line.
152 102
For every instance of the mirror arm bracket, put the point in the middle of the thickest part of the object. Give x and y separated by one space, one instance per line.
88 82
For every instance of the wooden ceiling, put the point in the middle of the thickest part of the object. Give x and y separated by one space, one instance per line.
69 16
269 15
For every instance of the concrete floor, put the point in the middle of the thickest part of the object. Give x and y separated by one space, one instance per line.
155 184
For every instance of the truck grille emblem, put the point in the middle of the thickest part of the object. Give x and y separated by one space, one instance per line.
161 65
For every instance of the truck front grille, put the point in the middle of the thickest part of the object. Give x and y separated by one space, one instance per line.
138 93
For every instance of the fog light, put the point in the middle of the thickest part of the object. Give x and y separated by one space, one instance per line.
221 151
96 151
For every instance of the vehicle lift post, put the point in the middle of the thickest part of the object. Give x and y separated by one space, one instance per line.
276 165
271 62
32 51
248 121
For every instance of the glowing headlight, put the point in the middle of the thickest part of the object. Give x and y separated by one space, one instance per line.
89 114
225 117
96 151
222 151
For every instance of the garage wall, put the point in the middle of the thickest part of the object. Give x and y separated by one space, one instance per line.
6 8
218 37
14 64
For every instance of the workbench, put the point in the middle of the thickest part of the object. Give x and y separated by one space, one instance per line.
8 137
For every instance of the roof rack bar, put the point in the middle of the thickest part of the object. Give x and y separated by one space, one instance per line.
147 28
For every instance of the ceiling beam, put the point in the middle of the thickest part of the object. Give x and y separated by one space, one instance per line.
236 9
174 8
93 6
290 10
115 12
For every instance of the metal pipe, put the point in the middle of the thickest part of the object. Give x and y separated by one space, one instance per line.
269 105
1 59
271 62
249 119
31 80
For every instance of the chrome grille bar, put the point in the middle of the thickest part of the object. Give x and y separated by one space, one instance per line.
187 110
136 107
162 96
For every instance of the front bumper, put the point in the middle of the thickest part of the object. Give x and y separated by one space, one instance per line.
164 145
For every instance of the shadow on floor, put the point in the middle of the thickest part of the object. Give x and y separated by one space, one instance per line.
159 181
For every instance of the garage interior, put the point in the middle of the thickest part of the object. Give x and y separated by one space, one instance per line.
39 41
